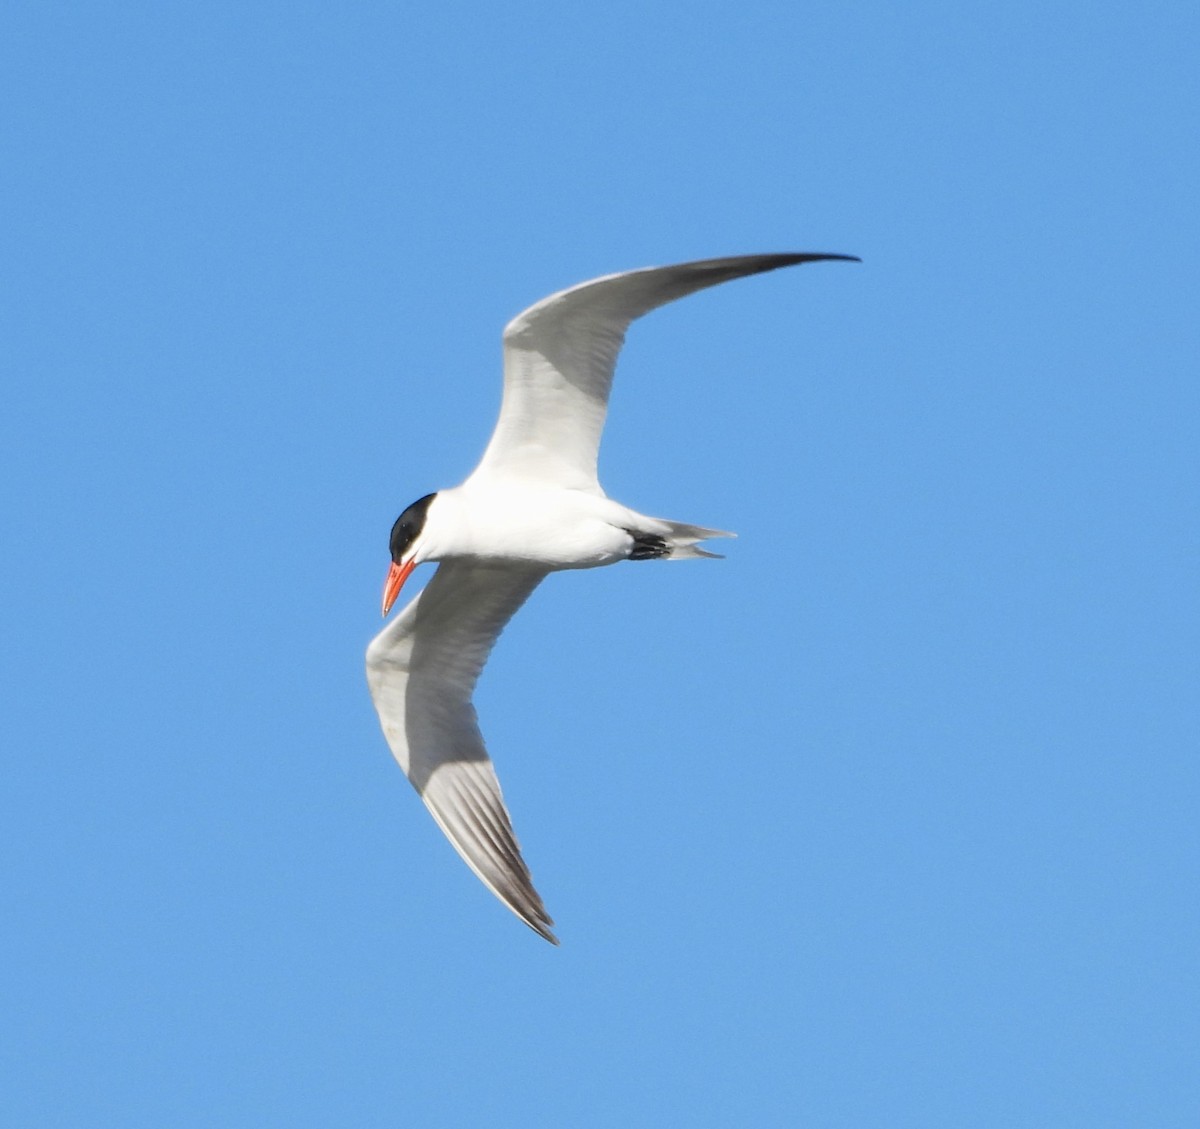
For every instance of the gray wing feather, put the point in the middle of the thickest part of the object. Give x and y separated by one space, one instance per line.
559 358
422 669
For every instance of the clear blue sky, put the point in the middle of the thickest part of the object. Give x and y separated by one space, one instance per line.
887 820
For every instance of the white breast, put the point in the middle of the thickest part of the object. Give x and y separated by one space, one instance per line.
521 522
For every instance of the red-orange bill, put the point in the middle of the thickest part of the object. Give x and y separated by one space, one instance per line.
396 577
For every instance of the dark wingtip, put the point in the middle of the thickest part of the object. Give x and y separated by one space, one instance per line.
760 264
541 926
823 257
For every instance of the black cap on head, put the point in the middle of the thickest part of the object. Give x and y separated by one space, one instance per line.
408 527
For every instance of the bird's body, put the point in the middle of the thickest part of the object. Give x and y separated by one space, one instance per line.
533 506
512 521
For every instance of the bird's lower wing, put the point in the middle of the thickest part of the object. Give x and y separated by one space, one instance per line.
422 669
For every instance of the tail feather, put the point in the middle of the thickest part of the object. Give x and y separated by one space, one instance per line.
683 540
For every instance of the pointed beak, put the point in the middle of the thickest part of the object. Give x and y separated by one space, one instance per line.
396 577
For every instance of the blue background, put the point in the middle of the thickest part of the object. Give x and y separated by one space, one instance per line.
889 819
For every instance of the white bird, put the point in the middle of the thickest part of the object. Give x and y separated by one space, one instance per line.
533 505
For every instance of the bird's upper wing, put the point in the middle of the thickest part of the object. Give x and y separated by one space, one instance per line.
559 357
422 669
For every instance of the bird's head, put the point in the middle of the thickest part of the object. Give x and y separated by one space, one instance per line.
405 547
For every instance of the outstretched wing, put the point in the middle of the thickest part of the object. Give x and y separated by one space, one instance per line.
422 669
559 357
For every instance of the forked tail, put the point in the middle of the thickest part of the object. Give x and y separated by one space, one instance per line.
680 540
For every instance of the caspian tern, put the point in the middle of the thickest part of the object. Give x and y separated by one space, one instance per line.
533 505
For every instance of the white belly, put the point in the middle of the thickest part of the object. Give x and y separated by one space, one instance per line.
532 524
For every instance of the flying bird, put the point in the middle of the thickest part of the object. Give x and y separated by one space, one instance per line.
532 506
